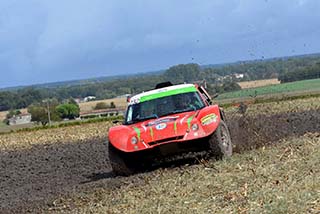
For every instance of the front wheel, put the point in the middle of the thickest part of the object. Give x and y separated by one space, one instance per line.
119 161
220 142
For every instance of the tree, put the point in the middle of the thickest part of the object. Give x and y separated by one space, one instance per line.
231 86
183 73
286 69
112 105
72 101
42 112
309 72
38 114
10 114
68 111
101 105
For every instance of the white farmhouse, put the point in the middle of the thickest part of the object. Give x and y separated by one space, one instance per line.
20 119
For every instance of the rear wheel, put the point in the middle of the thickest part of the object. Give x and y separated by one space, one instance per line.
220 142
120 162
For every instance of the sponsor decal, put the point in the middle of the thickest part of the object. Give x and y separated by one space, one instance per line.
175 127
164 120
134 101
151 132
208 119
181 121
161 126
189 121
137 130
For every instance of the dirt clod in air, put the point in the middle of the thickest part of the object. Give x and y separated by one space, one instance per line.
248 132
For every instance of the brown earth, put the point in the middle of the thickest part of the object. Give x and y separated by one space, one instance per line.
89 106
258 83
249 132
31 178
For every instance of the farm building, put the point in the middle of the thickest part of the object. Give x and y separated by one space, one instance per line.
238 76
89 98
20 119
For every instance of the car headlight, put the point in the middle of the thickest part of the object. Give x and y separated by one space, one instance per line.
194 127
134 140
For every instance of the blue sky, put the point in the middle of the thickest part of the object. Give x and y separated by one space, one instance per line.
45 41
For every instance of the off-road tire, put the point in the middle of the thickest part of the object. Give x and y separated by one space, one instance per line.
220 142
120 162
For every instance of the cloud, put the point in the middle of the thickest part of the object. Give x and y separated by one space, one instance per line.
44 40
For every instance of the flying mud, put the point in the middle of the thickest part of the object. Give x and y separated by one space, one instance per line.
33 178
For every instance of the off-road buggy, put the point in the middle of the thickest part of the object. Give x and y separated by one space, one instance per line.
164 122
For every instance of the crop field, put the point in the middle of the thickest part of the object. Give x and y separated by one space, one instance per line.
258 83
3 115
88 106
304 86
275 169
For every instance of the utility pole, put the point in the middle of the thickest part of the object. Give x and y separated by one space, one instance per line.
48 110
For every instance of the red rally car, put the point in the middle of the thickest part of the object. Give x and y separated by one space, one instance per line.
165 121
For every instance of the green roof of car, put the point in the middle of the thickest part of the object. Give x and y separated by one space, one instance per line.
162 92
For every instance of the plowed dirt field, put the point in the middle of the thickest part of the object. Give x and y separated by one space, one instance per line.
38 167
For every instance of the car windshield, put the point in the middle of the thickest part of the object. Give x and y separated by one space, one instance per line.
163 106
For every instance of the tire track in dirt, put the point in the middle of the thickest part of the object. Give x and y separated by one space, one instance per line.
34 177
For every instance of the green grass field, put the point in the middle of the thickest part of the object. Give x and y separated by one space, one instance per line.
299 86
4 128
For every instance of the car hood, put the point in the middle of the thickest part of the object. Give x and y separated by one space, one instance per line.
165 127
176 127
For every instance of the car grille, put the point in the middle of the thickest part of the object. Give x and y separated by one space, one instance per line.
166 140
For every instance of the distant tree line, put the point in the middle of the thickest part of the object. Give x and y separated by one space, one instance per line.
219 79
309 72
